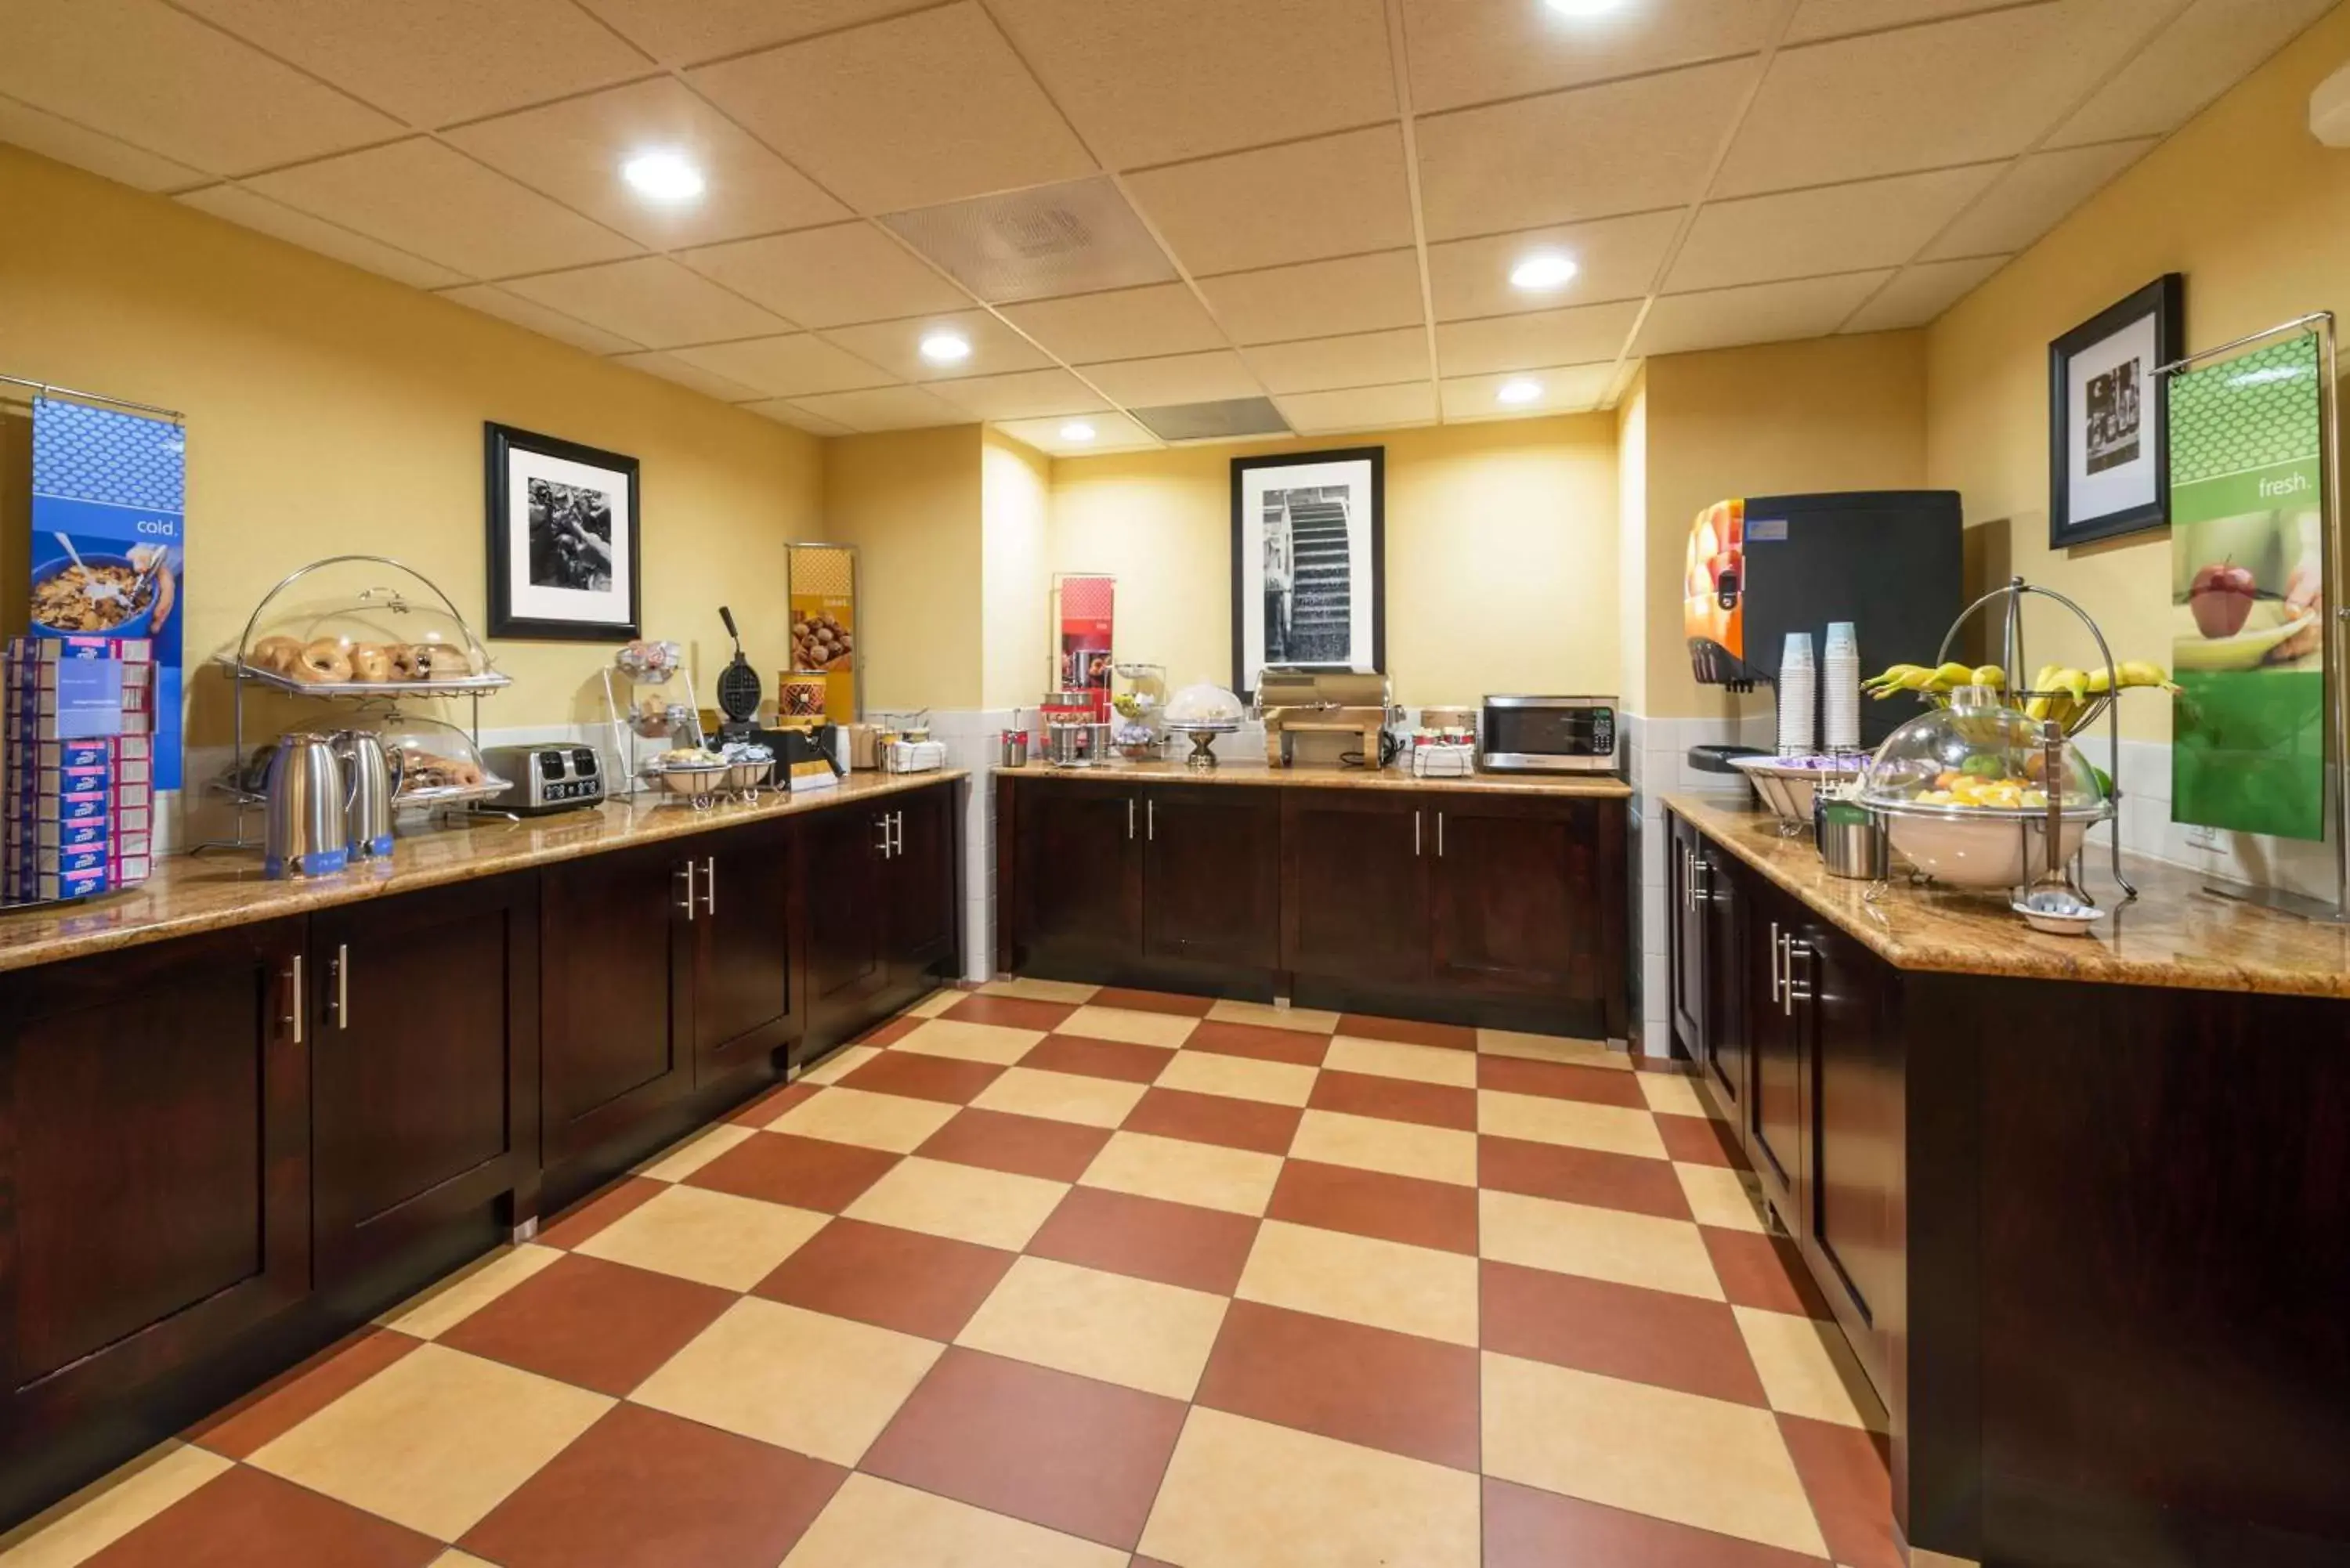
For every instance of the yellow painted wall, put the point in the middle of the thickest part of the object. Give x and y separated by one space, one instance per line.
1016 505
2256 215
910 501
332 411
1500 553
1632 543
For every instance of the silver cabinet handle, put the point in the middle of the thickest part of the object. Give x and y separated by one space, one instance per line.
1439 834
686 871
342 986
1793 996
709 884
1415 832
1150 820
898 844
294 1017
1777 946
1129 817
1700 881
882 822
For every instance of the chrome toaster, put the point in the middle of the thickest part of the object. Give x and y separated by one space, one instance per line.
546 777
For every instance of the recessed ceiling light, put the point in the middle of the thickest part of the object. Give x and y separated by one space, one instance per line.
664 176
1543 270
945 348
1076 429
1584 7
1520 391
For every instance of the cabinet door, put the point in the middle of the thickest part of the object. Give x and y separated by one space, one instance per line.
1685 918
846 969
424 1061
1354 884
616 971
1724 955
1080 885
1774 1112
920 875
742 1000
1212 876
1518 896
1853 1195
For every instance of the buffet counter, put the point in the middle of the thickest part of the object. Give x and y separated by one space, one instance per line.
1589 786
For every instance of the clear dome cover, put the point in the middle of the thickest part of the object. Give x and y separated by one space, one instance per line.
1978 756
434 762
1205 703
364 624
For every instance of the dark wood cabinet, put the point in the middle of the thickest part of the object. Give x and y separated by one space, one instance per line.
1512 907
1078 882
1691 952
918 878
1211 877
878 896
1716 948
743 1004
1776 1035
1354 880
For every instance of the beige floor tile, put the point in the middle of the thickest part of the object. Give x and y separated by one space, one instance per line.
1061 990
1808 1369
81 1526
1239 1078
435 1440
1244 1494
1305 1019
1237 1180
453 1558
1717 1195
1673 1095
1598 1243
991 1208
1399 1149
1682 1457
1550 1048
840 1063
803 1380
716 1238
1539 1118
1359 1279
1145 1334
683 1158
990 1043
1060 1097
1395 1059
874 1523
938 1002
468 1291
1167 1029
897 1122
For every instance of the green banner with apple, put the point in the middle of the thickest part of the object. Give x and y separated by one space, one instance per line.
2248 572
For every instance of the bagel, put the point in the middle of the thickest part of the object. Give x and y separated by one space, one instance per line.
324 663
431 661
371 663
278 654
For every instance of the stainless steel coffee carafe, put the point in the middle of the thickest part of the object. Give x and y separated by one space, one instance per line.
369 785
309 832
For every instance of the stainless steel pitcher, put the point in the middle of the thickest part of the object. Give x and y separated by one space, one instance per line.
309 832
369 783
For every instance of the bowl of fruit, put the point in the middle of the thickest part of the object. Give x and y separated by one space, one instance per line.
1965 792
1788 784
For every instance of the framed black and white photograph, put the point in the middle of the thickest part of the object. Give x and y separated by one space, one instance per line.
2108 449
564 555
1308 540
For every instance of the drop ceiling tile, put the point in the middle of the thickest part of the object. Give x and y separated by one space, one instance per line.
1122 324
1076 236
652 299
1319 299
1816 19
1962 91
241 206
1112 432
1918 293
1333 196
492 300
830 277
784 411
670 368
903 113
1565 389
1615 258
896 347
1327 364
155 78
2035 194
2208 49
1831 228
573 151
1759 313
1574 336
1147 82
1591 152
433 62
884 409
1473 51
1027 394
1220 420
1359 409
688 32
22 125
440 204
797 365
1181 378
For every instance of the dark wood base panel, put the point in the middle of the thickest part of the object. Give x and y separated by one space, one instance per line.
218 1153
2087 1240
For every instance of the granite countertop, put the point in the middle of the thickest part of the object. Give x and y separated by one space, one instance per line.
1602 786
192 893
2176 935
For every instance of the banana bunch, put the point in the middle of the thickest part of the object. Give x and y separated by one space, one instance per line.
1933 682
2064 692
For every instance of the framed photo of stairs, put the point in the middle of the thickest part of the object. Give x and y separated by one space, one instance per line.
1309 542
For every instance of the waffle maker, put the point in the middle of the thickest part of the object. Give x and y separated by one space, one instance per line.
738 690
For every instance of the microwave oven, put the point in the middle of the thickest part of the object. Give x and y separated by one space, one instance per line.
1547 734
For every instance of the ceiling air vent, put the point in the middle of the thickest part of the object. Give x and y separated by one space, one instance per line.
1074 238
1224 420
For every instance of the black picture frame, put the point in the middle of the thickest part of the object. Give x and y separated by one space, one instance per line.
1248 574
2164 302
509 530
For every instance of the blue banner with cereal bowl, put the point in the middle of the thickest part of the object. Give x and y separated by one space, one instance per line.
109 533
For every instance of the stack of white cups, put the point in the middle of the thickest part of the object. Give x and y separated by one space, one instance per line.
1798 695
1840 690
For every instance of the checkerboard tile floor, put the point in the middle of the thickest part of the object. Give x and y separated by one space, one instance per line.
1044 1275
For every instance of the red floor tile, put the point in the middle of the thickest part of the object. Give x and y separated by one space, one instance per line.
1764 1271
1395 1100
1116 1059
1215 1118
1023 1145
1617 1331
245 1517
887 1032
1561 1081
1525 1528
1255 1039
758 1113
804 1172
644 1490
897 1279
1154 1001
1011 1012
1364 1026
599 1324
1174 1243
1700 1140
1581 1176
591 1214
921 1078
278 1405
1367 1385
1373 1203
1051 1447
1846 1474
